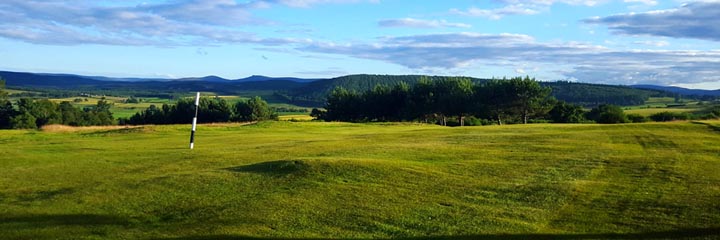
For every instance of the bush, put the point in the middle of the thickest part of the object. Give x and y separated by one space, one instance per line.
637 118
670 116
474 121
564 112
607 113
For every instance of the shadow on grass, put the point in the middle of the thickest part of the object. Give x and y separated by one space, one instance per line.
713 127
696 233
50 220
280 167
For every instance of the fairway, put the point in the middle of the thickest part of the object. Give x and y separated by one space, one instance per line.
342 180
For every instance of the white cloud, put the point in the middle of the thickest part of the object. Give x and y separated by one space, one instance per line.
653 43
589 3
498 13
579 61
181 22
520 7
308 3
646 2
699 20
419 23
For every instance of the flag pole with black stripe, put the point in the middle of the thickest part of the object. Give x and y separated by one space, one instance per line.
194 122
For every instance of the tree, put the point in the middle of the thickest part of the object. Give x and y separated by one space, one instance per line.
422 100
317 114
529 97
342 105
214 110
497 98
46 112
376 104
254 109
3 93
7 112
398 101
669 116
607 113
454 98
25 120
70 114
564 112
102 113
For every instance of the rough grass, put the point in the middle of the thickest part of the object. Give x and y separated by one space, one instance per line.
58 128
295 117
340 180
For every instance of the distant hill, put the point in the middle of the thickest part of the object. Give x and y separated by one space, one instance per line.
257 78
682 91
46 80
312 92
587 94
92 84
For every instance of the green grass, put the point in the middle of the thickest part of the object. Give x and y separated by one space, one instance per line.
342 180
666 104
119 108
14 91
650 111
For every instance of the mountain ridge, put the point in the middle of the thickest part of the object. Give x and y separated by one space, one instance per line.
312 92
680 90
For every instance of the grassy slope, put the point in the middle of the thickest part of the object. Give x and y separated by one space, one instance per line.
286 179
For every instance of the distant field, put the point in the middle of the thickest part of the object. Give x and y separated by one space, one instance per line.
295 117
666 104
120 109
342 180
651 111
14 91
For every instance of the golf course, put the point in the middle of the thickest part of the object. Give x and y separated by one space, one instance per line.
317 180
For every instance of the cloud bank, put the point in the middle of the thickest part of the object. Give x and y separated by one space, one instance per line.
419 23
699 20
183 22
584 62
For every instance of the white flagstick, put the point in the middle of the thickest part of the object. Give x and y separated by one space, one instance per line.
194 123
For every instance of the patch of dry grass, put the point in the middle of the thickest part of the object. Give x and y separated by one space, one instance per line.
64 128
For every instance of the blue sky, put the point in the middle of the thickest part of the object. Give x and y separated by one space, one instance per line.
600 41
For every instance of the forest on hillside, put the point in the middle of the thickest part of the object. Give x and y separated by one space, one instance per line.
461 101
584 94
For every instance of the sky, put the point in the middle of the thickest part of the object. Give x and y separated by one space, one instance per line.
622 42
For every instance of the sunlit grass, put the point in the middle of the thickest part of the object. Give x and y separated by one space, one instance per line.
651 111
342 180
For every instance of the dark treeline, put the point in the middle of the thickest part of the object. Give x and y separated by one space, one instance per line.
29 113
314 93
514 100
460 101
211 110
584 94
593 95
